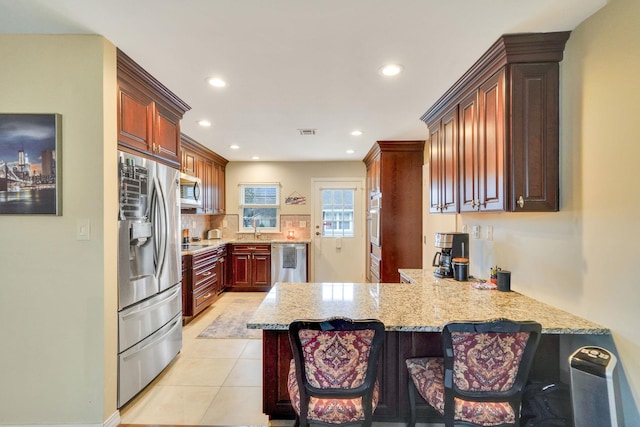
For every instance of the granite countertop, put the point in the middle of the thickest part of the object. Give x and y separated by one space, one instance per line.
196 247
420 307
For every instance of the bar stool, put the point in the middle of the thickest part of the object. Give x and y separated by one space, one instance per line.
481 378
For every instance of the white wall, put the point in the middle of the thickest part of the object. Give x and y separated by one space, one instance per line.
583 258
57 294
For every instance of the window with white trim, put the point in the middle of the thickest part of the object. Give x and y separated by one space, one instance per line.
259 207
337 212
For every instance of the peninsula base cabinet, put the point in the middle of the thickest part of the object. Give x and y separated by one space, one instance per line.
393 405
250 267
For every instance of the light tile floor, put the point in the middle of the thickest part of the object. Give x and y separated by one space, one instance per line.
211 382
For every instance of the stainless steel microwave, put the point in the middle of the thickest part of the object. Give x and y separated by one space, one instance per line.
190 191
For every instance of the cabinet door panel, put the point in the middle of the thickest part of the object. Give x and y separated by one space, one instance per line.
435 172
261 269
219 204
135 113
167 134
208 177
468 154
491 147
241 269
448 155
189 162
534 139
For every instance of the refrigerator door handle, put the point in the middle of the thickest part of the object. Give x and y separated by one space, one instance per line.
156 339
160 226
154 306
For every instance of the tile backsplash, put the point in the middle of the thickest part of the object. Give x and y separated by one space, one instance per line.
198 225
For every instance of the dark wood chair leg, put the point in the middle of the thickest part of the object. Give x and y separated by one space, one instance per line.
412 402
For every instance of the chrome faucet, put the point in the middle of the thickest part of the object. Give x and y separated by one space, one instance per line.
256 233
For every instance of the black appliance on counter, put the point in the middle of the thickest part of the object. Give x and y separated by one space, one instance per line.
451 245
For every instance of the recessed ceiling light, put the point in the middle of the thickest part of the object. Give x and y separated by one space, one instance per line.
350 151
204 123
234 147
356 133
216 82
391 70
255 158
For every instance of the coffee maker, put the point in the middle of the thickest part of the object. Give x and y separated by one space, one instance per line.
451 245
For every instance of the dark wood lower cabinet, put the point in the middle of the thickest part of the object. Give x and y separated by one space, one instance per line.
203 280
250 267
392 373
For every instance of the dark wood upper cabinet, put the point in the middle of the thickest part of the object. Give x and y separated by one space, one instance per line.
149 114
500 119
199 161
443 163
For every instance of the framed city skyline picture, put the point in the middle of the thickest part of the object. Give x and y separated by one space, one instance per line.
30 164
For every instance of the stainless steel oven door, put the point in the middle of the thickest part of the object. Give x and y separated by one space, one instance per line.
374 218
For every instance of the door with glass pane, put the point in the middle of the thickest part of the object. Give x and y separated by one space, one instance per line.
338 232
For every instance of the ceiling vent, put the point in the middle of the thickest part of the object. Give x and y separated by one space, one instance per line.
307 131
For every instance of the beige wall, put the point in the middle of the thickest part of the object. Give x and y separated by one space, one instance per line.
57 294
583 258
293 176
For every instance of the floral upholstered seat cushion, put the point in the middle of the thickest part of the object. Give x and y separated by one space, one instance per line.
482 362
333 360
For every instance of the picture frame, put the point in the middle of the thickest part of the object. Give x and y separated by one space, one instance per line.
30 164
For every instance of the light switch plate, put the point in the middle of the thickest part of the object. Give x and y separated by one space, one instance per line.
489 231
83 229
303 224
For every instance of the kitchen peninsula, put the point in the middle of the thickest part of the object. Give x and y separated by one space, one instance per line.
414 314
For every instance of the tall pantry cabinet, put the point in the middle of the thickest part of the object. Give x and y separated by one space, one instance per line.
394 203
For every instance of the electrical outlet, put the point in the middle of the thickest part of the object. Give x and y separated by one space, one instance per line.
489 231
303 224
465 228
475 230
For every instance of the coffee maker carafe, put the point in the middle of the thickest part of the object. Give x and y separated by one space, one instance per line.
451 245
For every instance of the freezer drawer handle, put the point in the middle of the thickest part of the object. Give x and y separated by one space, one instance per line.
155 341
151 307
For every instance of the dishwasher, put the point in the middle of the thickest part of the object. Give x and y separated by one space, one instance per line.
288 262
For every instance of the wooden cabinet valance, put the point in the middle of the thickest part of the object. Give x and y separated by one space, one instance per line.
149 114
494 135
203 163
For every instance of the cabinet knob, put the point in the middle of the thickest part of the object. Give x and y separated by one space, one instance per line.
521 201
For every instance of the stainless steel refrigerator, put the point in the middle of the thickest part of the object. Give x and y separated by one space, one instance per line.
149 272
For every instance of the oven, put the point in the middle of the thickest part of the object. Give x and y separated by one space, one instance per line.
374 218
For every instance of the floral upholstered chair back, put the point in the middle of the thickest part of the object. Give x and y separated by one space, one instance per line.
332 377
336 359
487 361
